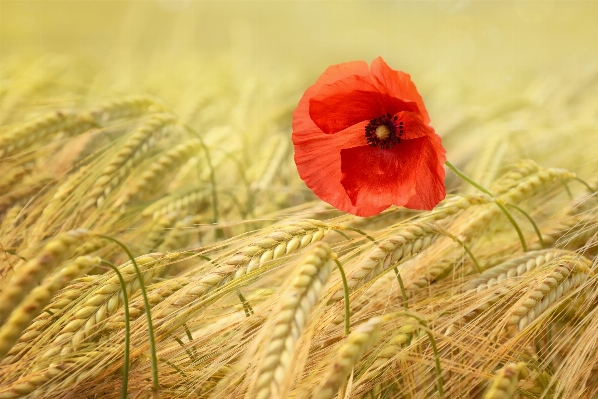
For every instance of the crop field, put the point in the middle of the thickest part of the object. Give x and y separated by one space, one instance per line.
157 241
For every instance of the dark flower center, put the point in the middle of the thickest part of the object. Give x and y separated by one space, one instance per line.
382 131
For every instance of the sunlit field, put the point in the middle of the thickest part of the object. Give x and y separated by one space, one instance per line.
156 240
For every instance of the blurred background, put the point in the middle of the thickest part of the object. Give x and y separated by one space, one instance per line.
471 60
483 45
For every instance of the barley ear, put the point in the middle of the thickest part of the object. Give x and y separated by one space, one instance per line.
357 343
35 301
291 316
504 384
31 273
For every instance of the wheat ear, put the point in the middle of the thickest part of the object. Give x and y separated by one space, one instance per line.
370 381
126 107
515 267
291 316
569 274
43 320
31 273
136 146
33 303
521 169
66 122
413 239
453 205
100 304
284 241
187 200
167 162
504 384
351 351
526 188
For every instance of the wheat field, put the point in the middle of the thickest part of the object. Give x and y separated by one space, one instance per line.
157 241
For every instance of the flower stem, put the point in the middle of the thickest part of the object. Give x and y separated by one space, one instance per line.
126 356
524 213
467 178
346 292
501 206
150 327
402 286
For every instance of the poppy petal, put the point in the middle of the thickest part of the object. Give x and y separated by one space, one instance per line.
352 100
302 122
399 85
412 126
429 176
324 160
382 177
318 160
373 176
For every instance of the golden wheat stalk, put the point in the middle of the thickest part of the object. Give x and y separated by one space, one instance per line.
136 146
68 123
34 302
285 240
30 274
351 351
504 384
568 274
291 316
412 239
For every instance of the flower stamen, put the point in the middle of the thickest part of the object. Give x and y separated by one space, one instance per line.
382 132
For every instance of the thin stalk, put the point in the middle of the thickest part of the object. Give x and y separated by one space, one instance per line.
346 292
515 225
502 207
437 361
467 178
585 184
174 366
424 324
343 234
402 286
363 233
190 338
465 247
246 306
567 189
150 327
180 342
524 213
210 167
126 355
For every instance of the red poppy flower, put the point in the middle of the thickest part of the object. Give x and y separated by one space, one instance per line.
363 141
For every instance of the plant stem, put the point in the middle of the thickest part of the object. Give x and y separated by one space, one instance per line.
524 213
346 292
585 184
363 233
514 223
467 178
501 206
126 355
150 327
402 286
